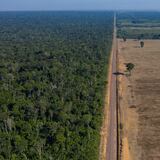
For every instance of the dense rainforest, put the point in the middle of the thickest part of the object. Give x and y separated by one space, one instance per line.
53 68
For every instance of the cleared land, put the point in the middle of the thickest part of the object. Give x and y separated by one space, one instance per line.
140 100
139 25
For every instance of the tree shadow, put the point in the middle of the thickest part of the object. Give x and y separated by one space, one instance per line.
118 73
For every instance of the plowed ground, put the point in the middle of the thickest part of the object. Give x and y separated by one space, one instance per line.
139 97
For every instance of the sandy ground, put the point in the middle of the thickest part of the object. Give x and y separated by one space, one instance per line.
104 128
139 99
104 132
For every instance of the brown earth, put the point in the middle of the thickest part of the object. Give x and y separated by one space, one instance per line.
106 112
108 143
139 100
104 128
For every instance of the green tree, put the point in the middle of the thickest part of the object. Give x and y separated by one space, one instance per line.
142 44
130 67
124 39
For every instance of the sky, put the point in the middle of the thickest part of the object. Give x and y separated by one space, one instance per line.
6 5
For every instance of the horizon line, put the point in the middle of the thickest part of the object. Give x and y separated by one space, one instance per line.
85 10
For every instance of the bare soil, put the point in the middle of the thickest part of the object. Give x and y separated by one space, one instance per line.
106 120
139 99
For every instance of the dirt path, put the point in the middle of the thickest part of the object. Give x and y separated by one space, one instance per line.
108 147
112 127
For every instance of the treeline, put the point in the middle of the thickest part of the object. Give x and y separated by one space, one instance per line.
52 77
139 25
138 33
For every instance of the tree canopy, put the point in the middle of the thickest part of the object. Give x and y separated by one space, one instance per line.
52 75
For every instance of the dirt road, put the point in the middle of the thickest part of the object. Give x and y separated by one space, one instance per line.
112 126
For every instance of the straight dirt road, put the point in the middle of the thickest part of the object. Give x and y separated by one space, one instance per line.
112 126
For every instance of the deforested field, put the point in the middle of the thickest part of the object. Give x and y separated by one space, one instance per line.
139 25
53 68
140 100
